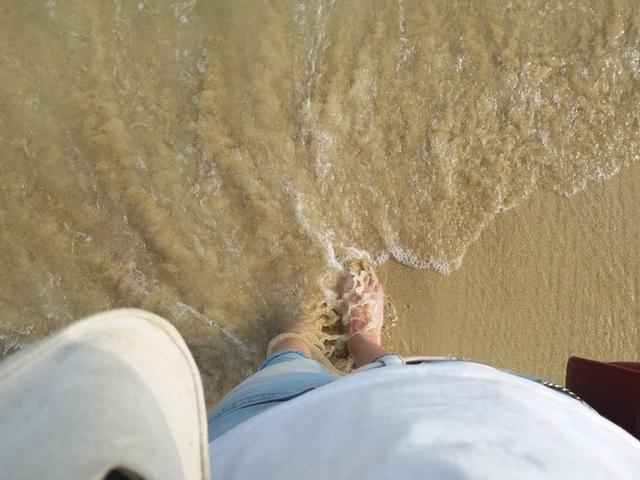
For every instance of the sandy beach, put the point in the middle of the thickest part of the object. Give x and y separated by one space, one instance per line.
219 164
551 278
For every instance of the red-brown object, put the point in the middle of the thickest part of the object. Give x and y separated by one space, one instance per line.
611 389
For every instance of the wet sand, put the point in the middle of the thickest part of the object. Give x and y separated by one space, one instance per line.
219 164
551 278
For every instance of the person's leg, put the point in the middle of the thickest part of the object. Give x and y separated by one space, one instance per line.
292 344
364 350
288 372
363 318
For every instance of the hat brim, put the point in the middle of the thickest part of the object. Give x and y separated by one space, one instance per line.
117 390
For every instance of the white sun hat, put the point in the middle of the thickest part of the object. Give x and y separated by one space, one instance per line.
117 391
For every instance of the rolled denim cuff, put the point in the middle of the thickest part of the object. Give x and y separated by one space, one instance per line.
282 355
386 360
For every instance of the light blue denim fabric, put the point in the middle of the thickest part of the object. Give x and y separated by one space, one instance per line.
284 375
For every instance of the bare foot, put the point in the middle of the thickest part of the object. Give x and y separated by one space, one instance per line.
363 316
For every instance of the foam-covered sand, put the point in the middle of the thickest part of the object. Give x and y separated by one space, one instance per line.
552 278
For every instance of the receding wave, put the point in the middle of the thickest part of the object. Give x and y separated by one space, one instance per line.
219 162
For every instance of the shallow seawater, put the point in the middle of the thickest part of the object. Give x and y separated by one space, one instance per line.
219 162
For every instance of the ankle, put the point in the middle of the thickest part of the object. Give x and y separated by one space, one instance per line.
292 344
364 350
